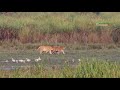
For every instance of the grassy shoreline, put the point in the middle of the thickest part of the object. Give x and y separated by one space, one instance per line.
85 69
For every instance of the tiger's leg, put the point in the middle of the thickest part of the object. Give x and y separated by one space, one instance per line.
50 52
53 52
63 51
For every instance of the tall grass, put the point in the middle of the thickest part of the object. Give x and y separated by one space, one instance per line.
58 21
58 27
86 69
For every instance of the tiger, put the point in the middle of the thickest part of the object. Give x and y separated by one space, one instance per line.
58 49
45 49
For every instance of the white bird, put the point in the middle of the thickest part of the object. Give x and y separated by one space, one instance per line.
13 60
79 60
28 60
36 60
16 61
21 60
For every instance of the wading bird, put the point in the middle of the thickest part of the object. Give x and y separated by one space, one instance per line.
79 60
28 60
22 60
36 60
16 61
13 60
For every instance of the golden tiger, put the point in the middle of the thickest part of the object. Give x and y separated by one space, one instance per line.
58 49
45 49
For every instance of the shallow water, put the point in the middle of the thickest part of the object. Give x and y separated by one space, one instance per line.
71 57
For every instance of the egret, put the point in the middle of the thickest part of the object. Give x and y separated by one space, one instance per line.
38 59
28 60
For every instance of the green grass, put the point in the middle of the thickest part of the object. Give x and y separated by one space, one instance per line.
59 21
86 69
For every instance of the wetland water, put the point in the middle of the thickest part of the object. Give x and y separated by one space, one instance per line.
71 57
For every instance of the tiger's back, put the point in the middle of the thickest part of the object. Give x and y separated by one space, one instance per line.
45 49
